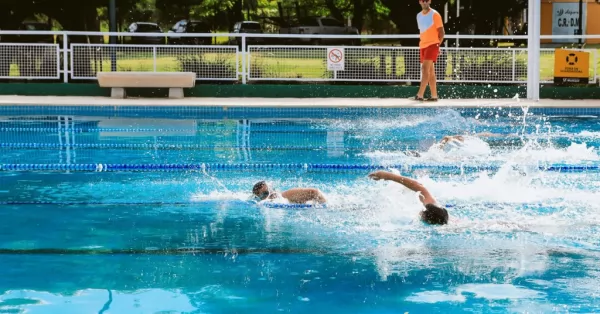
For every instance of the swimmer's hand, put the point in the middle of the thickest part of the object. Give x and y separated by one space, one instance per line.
379 175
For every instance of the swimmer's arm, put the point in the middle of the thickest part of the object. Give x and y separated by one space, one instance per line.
448 138
303 195
425 197
488 134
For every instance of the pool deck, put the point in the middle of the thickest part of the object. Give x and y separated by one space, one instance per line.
292 102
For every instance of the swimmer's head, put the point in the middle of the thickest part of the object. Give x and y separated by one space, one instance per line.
261 190
434 215
412 153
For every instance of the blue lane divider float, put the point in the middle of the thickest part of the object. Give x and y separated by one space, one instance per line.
291 166
263 204
83 203
158 203
259 129
93 130
292 206
156 146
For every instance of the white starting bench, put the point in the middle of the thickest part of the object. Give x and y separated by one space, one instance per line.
174 81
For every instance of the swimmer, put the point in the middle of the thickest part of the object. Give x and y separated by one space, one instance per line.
296 195
451 140
433 214
461 138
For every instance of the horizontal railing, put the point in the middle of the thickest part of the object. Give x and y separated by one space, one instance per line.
269 57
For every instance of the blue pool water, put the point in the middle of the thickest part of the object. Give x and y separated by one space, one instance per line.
149 210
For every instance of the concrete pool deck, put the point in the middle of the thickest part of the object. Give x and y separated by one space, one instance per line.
292 102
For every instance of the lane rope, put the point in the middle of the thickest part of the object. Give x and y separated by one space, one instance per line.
237 202
98 167
157 203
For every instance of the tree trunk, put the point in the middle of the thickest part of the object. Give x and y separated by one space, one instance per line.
335 11
361 7
404 15
84 20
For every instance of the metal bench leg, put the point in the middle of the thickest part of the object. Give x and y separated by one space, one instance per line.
117 92
175 92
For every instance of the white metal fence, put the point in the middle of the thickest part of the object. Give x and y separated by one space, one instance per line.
273 62
29 61
208 62
386 64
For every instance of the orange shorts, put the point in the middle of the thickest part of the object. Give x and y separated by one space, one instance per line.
430 53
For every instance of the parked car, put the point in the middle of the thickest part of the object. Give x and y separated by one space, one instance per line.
145 27
189 27
321 26
248 27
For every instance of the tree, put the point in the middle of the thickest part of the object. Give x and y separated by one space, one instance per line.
176 9
357 9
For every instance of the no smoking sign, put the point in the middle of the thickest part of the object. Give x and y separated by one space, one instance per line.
335 59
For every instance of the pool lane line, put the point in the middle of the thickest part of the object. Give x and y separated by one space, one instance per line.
160 203
558 251
162 251
258 166
238 202
183 146
170 130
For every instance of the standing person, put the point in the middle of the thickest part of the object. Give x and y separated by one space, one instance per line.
432 34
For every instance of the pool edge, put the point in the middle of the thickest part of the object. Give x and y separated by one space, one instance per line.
255 102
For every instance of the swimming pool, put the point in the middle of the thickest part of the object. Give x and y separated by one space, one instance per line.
144 209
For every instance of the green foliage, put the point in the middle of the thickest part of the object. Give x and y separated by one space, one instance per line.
377 16
493 67
203 68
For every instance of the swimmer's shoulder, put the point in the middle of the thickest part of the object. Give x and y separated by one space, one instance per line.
275 195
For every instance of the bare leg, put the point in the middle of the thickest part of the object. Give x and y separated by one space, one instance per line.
433 82
425 69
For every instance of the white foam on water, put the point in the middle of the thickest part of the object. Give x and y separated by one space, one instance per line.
32 301
588 134
457 150
476 151
220 195
443 119
490 292
435 297
535 152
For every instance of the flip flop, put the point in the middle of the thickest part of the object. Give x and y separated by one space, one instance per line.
417 98
432 99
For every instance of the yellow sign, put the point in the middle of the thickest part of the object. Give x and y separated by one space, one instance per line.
571 66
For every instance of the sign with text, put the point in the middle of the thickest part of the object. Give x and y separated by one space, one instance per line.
571 67
565 20
335 59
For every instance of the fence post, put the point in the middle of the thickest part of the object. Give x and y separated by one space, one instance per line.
536 49
514 63
154 57
533 41
244 56
595 51
66 57
112 9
